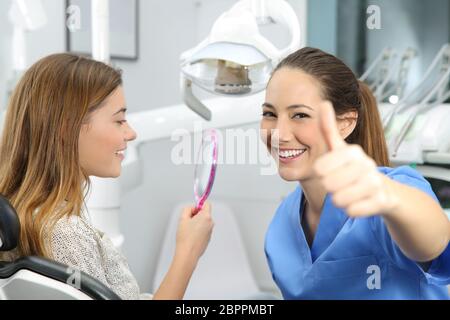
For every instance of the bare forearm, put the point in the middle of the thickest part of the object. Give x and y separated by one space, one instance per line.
416 223
177 278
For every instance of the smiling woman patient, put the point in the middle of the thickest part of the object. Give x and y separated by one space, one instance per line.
354 228
66 122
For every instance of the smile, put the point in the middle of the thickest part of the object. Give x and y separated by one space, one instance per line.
290 154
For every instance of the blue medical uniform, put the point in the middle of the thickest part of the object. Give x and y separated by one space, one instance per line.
350 258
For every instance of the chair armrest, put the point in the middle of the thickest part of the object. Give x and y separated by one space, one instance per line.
48 268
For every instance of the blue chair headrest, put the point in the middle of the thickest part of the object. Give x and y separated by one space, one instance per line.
9 225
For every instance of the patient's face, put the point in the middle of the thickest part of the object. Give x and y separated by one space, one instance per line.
104 138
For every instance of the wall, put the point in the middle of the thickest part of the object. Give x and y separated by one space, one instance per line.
322 25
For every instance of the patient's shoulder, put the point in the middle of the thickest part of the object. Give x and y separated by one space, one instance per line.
77 243
74 243
73 228
72 238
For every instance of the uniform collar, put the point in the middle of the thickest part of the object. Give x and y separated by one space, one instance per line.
331 221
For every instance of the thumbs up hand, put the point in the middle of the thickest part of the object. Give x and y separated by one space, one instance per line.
348 174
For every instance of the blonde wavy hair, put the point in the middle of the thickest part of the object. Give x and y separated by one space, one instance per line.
40 172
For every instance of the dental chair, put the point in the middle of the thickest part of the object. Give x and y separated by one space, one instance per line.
36 278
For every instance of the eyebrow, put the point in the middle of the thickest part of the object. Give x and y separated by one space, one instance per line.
295 106
121 110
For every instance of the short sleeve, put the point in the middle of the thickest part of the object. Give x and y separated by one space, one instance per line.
439 271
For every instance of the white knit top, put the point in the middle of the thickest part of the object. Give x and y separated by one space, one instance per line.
78 244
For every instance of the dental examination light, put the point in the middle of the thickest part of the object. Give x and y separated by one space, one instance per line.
236 59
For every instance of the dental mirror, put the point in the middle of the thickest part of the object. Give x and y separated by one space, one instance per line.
205 168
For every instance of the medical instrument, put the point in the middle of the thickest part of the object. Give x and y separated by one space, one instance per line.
415 126
206 166
380 72
431 87
380 76
396 91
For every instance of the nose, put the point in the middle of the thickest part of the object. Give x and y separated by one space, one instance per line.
283 130
130 134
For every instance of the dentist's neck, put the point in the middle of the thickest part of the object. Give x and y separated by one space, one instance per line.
314 194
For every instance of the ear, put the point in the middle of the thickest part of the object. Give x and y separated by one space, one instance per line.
347 123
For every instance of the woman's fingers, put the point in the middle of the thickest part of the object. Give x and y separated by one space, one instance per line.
194 231
364 208
335 160
206 209
349 174
188 212
344 177
358 191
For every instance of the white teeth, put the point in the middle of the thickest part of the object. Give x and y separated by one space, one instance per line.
120 152
290 153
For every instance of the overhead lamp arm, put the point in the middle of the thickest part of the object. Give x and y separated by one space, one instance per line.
192 101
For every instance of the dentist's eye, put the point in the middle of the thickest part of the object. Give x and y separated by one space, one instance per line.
121 122
300 116
268 114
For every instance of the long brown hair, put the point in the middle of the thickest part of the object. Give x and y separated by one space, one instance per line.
340 86
40 172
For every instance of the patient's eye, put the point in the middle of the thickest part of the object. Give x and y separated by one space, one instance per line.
268 114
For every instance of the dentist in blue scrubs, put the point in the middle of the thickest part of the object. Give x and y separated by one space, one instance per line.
354 228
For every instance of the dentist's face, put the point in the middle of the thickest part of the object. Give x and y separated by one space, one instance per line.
104 138
292 99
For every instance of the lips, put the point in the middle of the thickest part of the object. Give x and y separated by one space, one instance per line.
288 155
121 153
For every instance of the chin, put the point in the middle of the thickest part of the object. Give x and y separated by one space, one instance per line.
291 174
115 171
112 174
116 175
